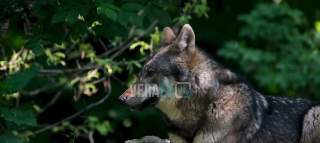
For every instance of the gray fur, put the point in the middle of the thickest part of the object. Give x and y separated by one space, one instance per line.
222 108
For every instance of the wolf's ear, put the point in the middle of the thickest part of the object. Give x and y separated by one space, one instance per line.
167 36
186 38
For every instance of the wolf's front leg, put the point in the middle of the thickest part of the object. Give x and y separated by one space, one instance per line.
207 136
176 139
148 139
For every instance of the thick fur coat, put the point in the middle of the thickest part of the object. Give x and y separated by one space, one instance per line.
222 108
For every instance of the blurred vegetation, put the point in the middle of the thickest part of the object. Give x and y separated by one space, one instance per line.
278 50
63 63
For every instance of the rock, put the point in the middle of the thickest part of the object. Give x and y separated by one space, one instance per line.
148 139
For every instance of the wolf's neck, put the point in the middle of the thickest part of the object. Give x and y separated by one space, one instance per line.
231 100
238 108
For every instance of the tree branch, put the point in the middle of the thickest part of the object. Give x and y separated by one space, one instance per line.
91 136
76 114
67 70
13 60
53 100
37 91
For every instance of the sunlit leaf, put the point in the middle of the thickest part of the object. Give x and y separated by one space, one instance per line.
317 25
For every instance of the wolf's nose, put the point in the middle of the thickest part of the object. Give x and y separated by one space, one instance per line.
122 99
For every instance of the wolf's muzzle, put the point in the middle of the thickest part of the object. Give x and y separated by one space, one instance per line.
122 99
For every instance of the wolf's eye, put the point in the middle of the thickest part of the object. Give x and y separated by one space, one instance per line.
149 73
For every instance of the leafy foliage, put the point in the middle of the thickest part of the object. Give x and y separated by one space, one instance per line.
276 37
17 118
9 138
58 57
17 81
64 48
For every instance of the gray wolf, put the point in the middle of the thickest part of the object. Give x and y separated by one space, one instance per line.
222 108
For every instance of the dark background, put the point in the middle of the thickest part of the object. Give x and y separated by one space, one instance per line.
273 45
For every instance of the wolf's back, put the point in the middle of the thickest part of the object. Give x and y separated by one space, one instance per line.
282 120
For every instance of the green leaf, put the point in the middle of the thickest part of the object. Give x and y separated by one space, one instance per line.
59 17
112 6
93 119
14 126
135 19
9 138
154 13
150 13
317 25
35 46
19 117
26 106
100 10
37 49
20 79
111 14
137 64
45 42
123 18
102 129
161 3
131 7
83 11
72 16
164 17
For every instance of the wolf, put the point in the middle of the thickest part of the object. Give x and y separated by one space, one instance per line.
222 108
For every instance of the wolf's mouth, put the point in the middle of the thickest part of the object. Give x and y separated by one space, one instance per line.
149 102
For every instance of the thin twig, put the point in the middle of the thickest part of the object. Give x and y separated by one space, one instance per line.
98 80
52 101
72 47
131 31
127 62
13 60
76 114
3 52
151 27
17 101
103 45
87 67
68 70
109 51
78 64
83 135
91 136
37 91
151 47
123 48
117 79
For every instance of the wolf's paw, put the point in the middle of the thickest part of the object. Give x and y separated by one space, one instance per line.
148 139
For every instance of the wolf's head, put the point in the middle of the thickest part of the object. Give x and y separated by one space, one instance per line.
162 75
